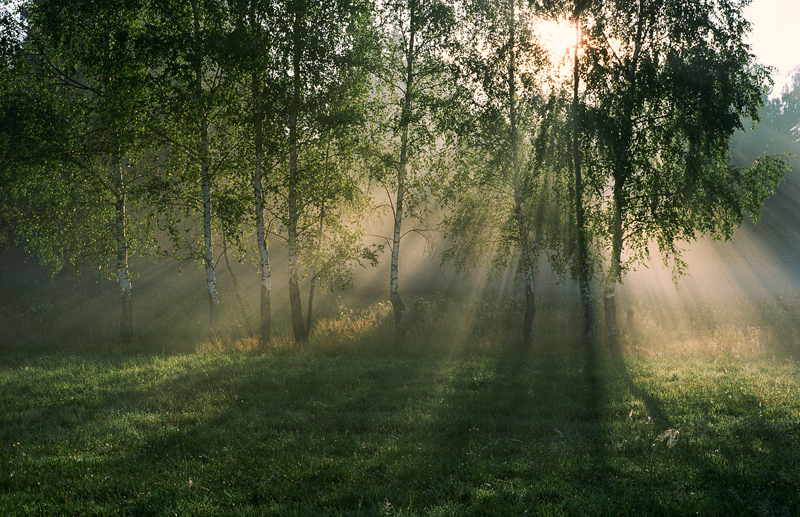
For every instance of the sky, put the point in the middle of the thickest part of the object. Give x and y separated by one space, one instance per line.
775 35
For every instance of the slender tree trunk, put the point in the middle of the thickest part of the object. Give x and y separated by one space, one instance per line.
311 291
524 240
205 180
394 268
623 171
208 255
123 273
312 288
584 268
528 273
298 326
239 300
615 273
264 329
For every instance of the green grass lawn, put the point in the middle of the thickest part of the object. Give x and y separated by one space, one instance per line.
298 433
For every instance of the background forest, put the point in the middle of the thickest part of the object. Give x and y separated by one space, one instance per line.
422 165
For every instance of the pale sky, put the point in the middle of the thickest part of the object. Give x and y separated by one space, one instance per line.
776 35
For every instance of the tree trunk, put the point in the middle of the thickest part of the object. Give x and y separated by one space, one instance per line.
123 274
311 291
615 273
264 329
205 180
622 172
524 238
208 254
312 288
239 300
394 268
296 305
530 300
584 268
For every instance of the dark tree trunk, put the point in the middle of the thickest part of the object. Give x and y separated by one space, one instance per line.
519 194
309 312
615 274
298 326
584 268
530 310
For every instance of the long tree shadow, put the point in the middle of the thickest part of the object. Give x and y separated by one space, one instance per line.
717 460
493 433
545 413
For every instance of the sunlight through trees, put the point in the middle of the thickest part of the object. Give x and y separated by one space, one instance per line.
574 138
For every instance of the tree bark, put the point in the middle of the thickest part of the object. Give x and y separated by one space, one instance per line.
394 268
208 254
205 180
528 273
123 273
312 288
615 273
524 240
264 327
311 291
623 171
584 268
298 326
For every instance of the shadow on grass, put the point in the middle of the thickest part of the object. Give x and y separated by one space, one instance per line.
713 452
311 433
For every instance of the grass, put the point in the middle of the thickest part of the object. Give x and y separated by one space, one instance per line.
237 431
699 414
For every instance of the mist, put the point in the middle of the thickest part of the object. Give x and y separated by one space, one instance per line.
737 297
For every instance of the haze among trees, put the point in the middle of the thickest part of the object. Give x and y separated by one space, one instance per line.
199 128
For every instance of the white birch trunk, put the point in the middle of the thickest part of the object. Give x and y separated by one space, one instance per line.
208 253
296 305
394 268
264 329
123 273
205 180
263 256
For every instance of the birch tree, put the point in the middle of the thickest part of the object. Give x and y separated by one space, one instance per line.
511 162
82 59
252 54
321 50
670 81
416 33
195 98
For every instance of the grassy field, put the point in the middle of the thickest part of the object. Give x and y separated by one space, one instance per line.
236 431
699 413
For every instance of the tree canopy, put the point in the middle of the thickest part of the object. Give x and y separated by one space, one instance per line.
211 124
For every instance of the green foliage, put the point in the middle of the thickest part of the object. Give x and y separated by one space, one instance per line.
508 169
668 84
72 133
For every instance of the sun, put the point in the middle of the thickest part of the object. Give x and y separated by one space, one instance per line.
558 39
